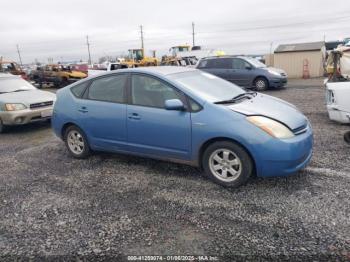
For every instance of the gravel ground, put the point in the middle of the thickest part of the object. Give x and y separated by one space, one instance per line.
53 206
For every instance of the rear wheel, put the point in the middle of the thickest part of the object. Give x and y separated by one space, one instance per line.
76 142
227 164
2 127
64 82
347 137
261 84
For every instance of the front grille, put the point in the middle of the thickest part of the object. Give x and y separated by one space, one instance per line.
41 104
300 130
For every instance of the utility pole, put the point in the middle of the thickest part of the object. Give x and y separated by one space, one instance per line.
88 46
141 29
271 44
193 42
19 55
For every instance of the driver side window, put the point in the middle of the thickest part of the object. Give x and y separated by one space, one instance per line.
151 92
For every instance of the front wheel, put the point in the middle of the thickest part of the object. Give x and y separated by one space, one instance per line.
76 142
261 84
227 164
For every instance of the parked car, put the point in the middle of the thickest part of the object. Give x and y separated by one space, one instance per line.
244 71
338 85
58 75
184 115
22 103
12 68
110 67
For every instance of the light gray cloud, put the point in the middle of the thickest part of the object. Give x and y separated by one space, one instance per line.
57 29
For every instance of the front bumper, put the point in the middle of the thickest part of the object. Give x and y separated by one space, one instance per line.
278 82
285 157
26 116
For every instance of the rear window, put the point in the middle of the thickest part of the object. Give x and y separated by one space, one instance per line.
203 64
79 90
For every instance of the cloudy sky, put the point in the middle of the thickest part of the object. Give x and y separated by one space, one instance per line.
57 29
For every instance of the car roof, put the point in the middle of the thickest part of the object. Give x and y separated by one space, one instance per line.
155 70
224 56
162 70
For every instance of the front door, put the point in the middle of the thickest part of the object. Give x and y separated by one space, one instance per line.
241 72
153 130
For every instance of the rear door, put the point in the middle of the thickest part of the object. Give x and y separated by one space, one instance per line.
153 130
218 66
102 112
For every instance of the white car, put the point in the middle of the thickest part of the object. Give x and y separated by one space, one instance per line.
22 103
338 101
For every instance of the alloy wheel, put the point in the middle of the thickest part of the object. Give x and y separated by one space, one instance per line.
75 142
225 165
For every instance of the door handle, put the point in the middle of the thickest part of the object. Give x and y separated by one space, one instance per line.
134 116
83 109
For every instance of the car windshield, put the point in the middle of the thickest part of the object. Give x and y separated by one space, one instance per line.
207 86
255 62
10 85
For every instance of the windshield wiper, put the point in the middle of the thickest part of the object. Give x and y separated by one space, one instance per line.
248 95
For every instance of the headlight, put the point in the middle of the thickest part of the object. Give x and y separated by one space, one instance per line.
272 127
14 107
274 73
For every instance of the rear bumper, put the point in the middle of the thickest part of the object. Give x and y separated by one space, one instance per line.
25 116
338 115
286 157
278 82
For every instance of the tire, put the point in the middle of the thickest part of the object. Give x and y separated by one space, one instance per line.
2 127
64 82
347 137
76 142
261 84
228 158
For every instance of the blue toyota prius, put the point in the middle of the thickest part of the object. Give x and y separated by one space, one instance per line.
187 116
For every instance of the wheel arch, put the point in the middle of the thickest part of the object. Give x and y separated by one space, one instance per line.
261 76
68 124
209 142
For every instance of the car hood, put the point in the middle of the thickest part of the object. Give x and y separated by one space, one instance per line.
271 107
274 69
77 74
27 97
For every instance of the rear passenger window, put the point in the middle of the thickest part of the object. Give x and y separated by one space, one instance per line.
79 90
223 63
203 64
238 63
109 89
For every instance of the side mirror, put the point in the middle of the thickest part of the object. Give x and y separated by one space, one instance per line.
248 67
174 104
